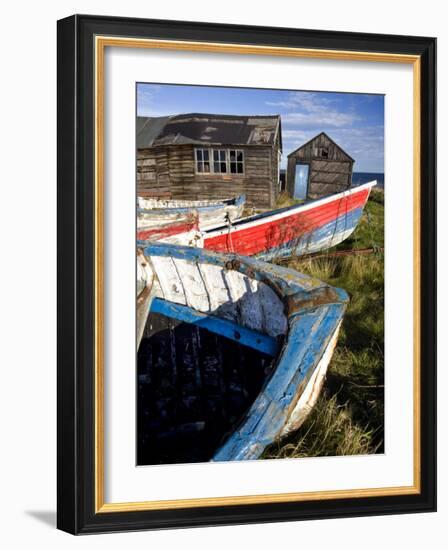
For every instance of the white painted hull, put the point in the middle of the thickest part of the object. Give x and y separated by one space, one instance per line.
312 390
154 213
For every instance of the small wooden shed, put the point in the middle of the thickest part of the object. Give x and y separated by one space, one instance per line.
210 156
318 168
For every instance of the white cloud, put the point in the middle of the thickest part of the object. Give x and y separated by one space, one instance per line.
308 101
313 109
323 118
365 145
294 134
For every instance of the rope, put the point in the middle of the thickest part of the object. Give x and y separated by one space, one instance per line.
229 234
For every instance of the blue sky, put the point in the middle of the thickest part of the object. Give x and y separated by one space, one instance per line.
354 121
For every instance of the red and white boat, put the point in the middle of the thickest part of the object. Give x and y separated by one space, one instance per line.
299 230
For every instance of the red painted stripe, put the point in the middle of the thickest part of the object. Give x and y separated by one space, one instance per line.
273 233
157 233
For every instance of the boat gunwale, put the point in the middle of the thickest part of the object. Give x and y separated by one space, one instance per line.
263 217
284 281
220 204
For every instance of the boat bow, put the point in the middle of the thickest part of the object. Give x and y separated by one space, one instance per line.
312 311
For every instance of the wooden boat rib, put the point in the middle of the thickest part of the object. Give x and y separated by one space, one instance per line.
233 353
153 212
299 230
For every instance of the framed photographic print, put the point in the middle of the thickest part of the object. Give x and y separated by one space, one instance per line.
246 267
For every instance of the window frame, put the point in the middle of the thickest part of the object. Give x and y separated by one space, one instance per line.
202 161
219 161
211 161
237 162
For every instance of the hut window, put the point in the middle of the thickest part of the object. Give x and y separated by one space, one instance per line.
323 152
219 161
236 161
202 160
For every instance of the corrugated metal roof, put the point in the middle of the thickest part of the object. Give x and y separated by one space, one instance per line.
213 129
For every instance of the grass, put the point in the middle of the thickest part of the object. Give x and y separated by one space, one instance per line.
348 418
285 199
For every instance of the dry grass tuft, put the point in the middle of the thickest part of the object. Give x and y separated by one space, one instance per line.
329 431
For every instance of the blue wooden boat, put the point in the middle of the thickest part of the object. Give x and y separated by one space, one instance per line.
232 355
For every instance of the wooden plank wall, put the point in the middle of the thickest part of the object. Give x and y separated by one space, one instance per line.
327 177
152 172
170 171
275 173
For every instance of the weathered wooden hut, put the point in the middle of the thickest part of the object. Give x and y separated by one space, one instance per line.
209 156
318 168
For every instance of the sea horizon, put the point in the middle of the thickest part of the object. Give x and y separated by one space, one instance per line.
358 178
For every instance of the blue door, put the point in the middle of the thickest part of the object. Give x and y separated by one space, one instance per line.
301 181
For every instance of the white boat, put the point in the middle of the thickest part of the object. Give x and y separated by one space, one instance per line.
157 212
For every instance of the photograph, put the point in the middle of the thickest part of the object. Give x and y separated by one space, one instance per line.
260 273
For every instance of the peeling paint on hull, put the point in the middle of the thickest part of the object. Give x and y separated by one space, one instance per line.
324 237
153 213
312 389
299 230
291 318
